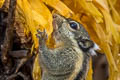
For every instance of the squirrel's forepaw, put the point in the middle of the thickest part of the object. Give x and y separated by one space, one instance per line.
42 35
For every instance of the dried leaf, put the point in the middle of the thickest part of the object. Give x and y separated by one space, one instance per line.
1 3
60 7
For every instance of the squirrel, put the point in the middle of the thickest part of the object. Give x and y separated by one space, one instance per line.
70 60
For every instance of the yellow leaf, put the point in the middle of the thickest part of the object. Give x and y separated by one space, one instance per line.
41 15
1 3
102 4
110 27
90 8
115 14
36 69
24 5
90 72
60 7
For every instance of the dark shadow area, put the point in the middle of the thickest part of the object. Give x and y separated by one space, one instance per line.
100 67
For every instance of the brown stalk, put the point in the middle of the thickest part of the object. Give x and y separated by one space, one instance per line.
8 39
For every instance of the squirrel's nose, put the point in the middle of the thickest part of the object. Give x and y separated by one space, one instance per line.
58 20
55 15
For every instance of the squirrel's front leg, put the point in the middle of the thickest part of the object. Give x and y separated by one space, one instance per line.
42 36
44 52
46 56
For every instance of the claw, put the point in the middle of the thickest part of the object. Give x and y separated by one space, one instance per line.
45 35
42 35
39 32
44 31
38 36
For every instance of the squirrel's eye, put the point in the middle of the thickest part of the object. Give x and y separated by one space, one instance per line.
74 25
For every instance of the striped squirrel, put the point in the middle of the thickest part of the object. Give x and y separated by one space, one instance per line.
68 61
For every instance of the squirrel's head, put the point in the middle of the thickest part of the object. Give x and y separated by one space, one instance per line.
65 28
68 28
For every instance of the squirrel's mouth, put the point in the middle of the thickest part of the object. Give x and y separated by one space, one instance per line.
57 21
57 24
54 23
